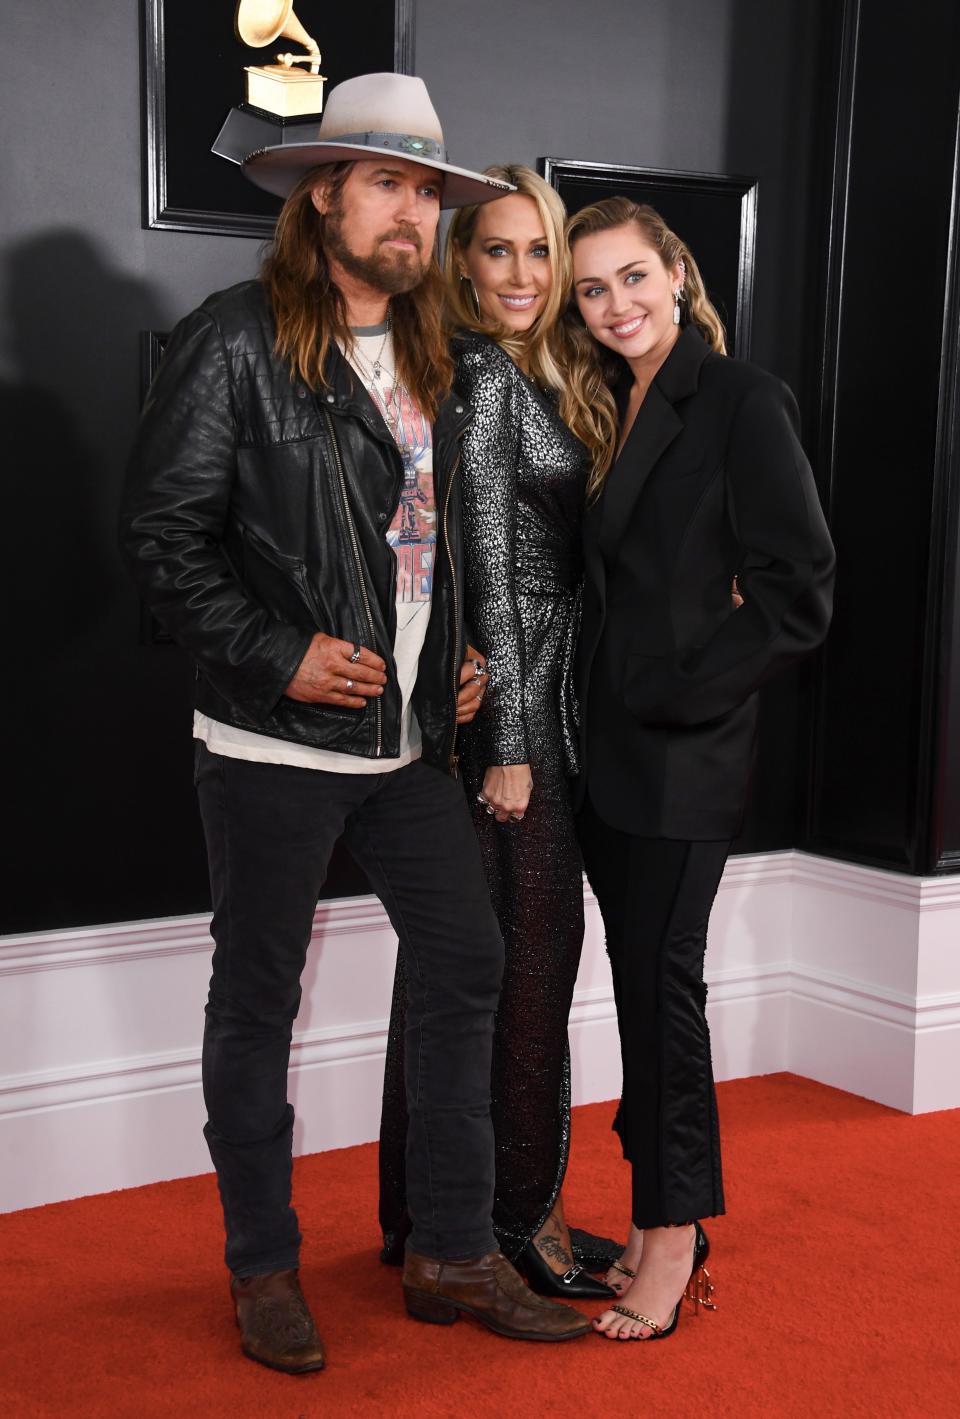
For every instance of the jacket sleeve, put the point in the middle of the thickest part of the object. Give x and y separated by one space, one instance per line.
785 574
173 512
489 460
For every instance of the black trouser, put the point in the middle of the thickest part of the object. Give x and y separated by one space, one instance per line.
655 896
270 832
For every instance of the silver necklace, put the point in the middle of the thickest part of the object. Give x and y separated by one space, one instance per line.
389 405
391 411
373 374
373 377
376 368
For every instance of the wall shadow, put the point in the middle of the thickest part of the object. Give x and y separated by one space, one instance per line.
100 782
81 719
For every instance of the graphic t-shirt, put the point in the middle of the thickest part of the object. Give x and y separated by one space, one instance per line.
413 536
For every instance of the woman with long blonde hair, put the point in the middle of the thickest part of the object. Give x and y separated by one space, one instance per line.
541 418
703 485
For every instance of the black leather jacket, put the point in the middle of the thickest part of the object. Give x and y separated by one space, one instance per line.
254 515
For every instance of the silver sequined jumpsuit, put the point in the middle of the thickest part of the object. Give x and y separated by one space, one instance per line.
522 479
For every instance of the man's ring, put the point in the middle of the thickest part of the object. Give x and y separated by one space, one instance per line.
349 684
356 654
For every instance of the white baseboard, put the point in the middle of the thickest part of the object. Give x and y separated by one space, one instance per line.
836 972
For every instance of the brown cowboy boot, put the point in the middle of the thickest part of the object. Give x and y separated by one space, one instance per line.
489 1289
276 1328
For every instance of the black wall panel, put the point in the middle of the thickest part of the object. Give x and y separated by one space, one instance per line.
882 687
98 788
944 598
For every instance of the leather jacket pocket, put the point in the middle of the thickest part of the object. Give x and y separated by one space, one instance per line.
281 584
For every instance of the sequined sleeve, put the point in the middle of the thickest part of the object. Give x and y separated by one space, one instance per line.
489 380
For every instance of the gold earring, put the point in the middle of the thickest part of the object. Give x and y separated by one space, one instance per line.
473 293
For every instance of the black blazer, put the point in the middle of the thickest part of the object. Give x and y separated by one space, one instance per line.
712 483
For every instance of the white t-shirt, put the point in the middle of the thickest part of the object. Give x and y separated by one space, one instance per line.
413 536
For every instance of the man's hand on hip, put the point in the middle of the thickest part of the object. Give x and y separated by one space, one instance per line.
335 672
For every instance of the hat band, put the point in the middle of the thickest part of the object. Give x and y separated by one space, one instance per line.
410 144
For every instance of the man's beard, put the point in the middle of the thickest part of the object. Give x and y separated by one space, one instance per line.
390 272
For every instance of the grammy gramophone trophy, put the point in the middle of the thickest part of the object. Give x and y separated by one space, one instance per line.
283 100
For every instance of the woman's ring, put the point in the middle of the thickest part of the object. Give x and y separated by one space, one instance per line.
481 799
516 817
490 809
356 654
349 684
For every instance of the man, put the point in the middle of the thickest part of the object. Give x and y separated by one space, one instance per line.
291 516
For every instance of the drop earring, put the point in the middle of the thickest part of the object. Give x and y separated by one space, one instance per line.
676 306
474 298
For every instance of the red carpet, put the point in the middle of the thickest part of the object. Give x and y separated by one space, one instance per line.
836 1276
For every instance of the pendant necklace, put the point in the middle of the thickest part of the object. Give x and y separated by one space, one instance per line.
376 368
390 407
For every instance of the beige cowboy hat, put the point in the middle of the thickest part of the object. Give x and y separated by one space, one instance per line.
374 115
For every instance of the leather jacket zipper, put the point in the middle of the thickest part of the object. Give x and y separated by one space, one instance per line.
358 565
454 757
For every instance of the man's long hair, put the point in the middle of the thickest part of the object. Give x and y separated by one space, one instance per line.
309 311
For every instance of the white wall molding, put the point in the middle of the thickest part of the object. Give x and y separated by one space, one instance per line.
103 945
915 894
162 936
932 1012
843 973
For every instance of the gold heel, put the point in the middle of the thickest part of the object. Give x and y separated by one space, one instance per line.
700 1290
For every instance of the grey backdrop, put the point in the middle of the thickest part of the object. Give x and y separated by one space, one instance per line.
97 728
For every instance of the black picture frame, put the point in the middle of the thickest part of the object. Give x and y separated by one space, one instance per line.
193 75
152 344
715 213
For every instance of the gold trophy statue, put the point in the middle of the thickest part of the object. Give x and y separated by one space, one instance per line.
280 88
284 100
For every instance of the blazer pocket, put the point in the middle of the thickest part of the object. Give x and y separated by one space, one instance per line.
687 463
639 670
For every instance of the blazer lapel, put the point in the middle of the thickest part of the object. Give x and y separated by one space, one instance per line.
592 560
654 429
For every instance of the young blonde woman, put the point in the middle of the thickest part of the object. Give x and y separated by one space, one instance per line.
705 482
540 415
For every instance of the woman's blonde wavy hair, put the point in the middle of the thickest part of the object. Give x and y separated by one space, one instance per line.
696 308
554 351
309 310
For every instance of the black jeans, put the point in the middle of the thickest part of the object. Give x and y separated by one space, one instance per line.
270 831
655 896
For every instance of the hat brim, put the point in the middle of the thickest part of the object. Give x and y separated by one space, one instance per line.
279 168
